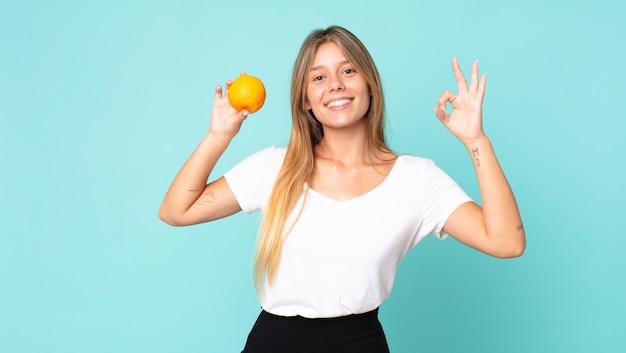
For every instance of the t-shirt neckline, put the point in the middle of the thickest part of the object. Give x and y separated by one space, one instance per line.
366 195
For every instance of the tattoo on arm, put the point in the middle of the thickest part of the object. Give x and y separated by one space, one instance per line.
476 155
208 197
193 190
520 227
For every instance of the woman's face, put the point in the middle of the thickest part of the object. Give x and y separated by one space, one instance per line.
335 91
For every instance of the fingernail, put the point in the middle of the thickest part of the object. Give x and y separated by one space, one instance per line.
245 114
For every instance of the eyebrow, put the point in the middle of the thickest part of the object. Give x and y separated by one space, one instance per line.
318 67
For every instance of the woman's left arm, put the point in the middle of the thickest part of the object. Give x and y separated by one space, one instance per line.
496 227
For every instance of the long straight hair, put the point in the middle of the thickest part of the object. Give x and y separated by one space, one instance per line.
306 132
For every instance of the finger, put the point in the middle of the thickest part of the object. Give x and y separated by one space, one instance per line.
446 97
481 87
474 78
243 73
218 92
228 83
441 114
458 74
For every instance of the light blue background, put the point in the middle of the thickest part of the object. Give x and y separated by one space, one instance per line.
102 101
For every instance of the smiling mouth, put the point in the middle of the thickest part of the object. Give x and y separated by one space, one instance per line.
338 103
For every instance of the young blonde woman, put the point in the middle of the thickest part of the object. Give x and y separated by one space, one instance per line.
340 209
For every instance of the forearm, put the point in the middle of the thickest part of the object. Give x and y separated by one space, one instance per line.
191 180
503 223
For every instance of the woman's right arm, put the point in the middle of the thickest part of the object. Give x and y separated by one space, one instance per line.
190 200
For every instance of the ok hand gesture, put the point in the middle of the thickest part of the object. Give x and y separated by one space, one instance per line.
465 120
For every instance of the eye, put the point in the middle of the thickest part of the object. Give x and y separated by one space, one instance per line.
348 71
317 78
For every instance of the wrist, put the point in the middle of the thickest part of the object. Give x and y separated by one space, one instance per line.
218 138
476 141
476 147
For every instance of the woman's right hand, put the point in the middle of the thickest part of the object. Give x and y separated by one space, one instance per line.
225 120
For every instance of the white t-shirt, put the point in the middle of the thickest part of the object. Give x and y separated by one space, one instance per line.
340 258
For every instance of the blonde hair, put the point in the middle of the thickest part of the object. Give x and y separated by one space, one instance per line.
306 132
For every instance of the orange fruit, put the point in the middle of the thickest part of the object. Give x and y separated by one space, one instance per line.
246 92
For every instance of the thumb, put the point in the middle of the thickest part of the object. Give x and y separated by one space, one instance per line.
440 112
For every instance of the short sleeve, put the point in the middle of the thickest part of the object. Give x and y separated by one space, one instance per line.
252 179
441 196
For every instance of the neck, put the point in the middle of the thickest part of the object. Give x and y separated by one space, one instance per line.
346 147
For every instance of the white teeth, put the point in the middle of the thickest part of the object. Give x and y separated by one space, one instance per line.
338 103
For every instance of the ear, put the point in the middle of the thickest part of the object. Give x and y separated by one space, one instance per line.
307 105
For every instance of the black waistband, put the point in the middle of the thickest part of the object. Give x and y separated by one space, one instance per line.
333 323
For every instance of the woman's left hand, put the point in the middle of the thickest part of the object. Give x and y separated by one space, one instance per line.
465 120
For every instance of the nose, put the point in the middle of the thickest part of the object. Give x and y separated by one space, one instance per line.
336 83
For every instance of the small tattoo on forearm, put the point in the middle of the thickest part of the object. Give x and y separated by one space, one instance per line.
520 227
476 154
193 190
208 197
